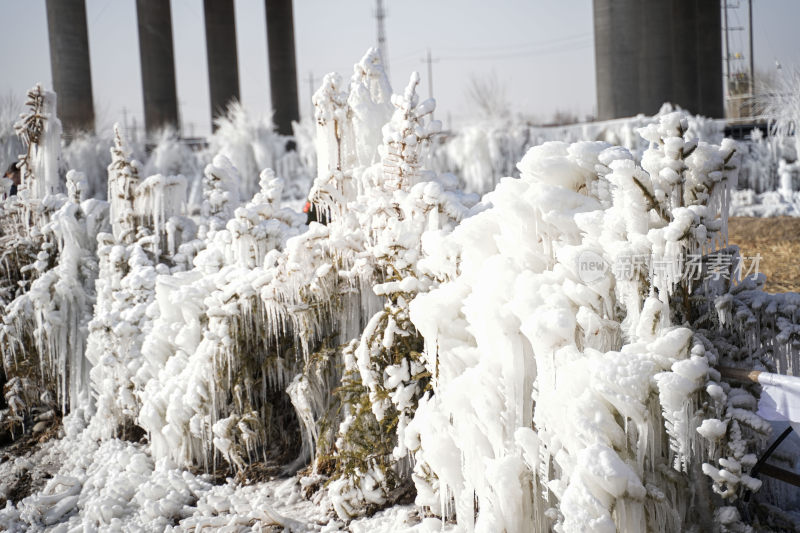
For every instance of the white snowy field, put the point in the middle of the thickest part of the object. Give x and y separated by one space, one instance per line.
747 203
542 357
116 485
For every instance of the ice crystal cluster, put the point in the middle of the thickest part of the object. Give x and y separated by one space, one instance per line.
483 153
49 239
501 360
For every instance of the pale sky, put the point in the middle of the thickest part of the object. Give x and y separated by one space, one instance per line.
541 52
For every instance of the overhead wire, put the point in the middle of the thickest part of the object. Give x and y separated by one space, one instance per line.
565 44
96 17
518 46
528 53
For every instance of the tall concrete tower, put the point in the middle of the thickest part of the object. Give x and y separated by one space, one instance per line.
158 64
709 93
69 64
617 39
683 40
653 55
282 67
223 71
648 52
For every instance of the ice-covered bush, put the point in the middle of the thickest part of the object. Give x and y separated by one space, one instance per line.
384 377
566 371
770 176
262 304
781 106
44 326
141 245
214 362
252 145
89 154
482 153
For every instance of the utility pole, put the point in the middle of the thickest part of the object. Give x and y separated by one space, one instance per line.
739 67
311 93
727 58
430 61
380 15
752 60
180 126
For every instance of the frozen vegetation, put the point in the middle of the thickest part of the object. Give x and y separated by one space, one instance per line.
480 153
505 363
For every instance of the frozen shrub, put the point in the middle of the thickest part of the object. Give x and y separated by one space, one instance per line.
573 394
44 325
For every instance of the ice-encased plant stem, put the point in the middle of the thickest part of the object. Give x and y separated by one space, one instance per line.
123 178
40 132
61 299
144 215
383 375
45 326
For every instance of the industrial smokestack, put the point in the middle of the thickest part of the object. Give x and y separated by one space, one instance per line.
282 68
648 52
617 39
223 70
158 64
69 64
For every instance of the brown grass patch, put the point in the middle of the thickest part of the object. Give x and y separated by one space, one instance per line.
777 239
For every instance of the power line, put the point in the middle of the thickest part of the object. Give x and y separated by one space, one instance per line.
566 44
519 46
311 95
738 66
544 51
99 13
430 61
750 39
409 56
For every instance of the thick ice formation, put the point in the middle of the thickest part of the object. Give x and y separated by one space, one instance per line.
48 318
483 153
562 381
40 132
542 359
252 145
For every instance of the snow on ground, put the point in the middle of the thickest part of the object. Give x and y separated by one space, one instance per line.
747 203
783 200
114 484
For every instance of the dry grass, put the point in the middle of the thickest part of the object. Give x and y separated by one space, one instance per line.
778 241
